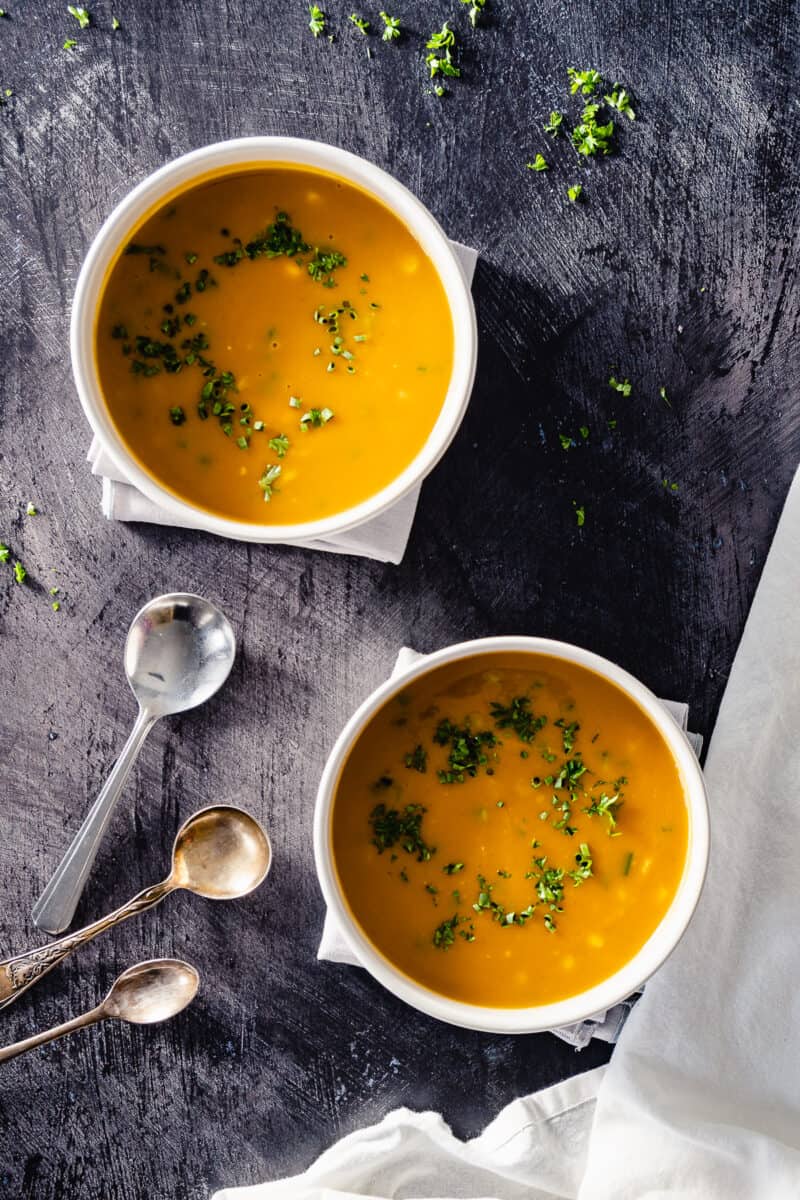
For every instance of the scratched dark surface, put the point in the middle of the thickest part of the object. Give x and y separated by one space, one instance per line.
678 271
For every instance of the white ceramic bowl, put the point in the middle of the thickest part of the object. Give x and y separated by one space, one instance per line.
580 1006
242 152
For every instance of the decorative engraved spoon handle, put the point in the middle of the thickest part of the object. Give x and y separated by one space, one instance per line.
49 1035
19 973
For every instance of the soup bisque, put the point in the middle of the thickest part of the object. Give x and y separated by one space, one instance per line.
273 346
509 830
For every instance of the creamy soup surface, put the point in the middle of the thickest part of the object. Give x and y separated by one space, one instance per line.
274 346
509 830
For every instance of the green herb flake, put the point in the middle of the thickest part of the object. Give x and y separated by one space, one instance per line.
5 553
391 27
69 44
81 15
553 126
417 760
476 8
280 443
467 750
517 716
580 513
20 574
453 868
315 418
620 99
590 137
439 60
391 826
623 386
538 164
361 24
669 486
115 24
317 19
626 866
662 391
31 509
56 607
177 415
444 935
575 192
584 431
586 81
267 481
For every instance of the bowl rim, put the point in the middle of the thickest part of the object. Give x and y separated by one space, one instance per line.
251 152
602 996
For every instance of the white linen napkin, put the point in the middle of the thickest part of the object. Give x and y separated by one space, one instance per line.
701 1099
605 1025
384 538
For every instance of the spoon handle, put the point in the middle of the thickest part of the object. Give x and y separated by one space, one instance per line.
19 973
55 908
49 1035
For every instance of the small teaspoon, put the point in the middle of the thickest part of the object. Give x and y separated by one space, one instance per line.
220 853
151 991
179 651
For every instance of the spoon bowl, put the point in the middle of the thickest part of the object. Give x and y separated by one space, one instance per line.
151 991
179 652
220 853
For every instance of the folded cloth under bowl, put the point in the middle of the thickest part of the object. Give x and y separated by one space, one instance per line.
384 538
605 1025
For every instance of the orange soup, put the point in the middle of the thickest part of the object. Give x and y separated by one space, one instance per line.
274 346
509 830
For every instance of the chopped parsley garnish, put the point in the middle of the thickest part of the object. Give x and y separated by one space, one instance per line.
280 443
476 8
361 24
31 509
553 126
391 826
620 99
583 870
444 935
440 58
417 760
453 868
662 391
316 21
177 415
606 806
575 192
315 418
538 164
568 731
669 487
115 24
517 716
5 553
580 514
623 386
586 81
268 479
391 28
467 750
69 44
20 574
81 15
590 137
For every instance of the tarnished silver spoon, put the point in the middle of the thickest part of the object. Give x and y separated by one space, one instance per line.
149 992
179 652
220 853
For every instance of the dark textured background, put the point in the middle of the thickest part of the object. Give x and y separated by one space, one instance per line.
678 270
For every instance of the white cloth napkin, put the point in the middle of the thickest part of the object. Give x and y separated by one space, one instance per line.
605 1025
701 1099
384 538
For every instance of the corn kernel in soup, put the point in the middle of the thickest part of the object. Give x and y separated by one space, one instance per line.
274 346
509 830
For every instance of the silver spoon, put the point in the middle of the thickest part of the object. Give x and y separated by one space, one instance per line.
220 853
179 651
149 992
